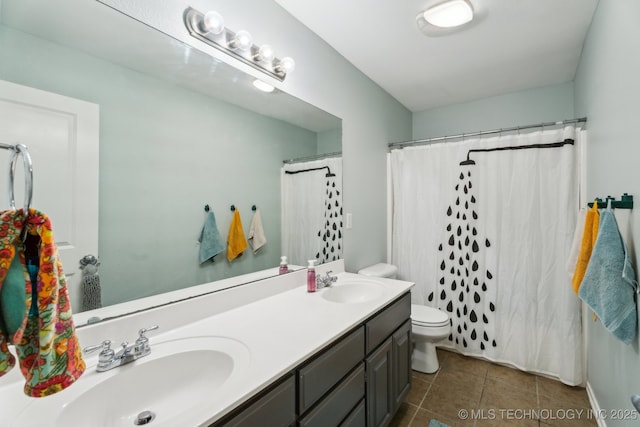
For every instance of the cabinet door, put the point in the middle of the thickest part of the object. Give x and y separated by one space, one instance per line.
380 397
402 347
274 409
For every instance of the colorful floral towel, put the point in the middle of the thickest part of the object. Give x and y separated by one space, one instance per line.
46 343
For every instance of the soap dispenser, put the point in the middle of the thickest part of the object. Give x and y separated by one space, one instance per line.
284 268
311 276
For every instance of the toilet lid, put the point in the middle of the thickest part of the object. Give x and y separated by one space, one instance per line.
423 315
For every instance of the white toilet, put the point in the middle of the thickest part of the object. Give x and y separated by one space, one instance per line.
428 325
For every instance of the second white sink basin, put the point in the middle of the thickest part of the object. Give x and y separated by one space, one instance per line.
174 379
353 291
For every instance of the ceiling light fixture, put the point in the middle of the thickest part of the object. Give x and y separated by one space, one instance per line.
264 87
449 14
446 17
210 29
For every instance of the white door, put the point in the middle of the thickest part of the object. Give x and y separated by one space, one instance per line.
62 136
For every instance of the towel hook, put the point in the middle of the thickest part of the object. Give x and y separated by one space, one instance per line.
253 208
207 208
233 208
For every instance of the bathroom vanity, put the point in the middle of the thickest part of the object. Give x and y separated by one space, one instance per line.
265 353
358 380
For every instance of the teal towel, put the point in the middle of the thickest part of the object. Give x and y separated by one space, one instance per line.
13 299
210 241
435 423
609 284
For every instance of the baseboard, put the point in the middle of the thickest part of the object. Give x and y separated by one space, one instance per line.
595 406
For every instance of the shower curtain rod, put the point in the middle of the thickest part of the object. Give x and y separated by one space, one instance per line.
329 173
402 144
314 157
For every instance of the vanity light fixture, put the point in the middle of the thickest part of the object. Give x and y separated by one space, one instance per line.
210 29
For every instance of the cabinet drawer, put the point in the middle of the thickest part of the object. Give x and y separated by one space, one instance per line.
320 375
339 403
384 323
277 408
357 417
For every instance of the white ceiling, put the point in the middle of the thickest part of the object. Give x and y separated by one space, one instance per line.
513 45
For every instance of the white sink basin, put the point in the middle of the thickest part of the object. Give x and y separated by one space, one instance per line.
175 378
353 291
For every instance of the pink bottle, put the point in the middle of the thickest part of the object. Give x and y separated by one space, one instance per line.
284 268
311 276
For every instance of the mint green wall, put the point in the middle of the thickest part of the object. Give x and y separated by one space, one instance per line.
371 118
165 152
330 141
607 91
546 104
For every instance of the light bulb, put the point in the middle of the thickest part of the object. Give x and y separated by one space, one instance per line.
242 41
286 65
213 22
265 54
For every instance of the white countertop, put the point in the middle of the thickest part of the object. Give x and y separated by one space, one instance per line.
279 331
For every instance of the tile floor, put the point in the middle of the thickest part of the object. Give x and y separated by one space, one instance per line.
469 392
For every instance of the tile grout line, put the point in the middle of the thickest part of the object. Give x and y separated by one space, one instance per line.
425 394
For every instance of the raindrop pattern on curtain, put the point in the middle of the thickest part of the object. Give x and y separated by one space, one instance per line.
331 233
466 288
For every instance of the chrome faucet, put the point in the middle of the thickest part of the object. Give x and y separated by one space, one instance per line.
109 359
326 280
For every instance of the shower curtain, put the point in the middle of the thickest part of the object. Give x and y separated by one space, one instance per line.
488 243
312 211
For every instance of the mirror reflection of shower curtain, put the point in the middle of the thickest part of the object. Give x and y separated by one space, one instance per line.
488 244
312 212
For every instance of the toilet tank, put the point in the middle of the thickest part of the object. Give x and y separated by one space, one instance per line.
380 270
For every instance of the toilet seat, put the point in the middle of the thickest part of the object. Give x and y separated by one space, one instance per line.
422 315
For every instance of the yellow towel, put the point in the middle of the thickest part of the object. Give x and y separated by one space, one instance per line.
591 224
236 242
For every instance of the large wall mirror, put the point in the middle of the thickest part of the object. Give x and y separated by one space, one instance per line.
178 130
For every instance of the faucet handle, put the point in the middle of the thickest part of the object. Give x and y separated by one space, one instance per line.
331 277
106 355
142 343
105 346
143 331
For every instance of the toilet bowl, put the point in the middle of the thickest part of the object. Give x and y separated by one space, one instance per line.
428 325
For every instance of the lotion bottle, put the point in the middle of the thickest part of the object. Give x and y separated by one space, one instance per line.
284 268
311 276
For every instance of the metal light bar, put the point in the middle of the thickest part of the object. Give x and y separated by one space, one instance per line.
194 21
